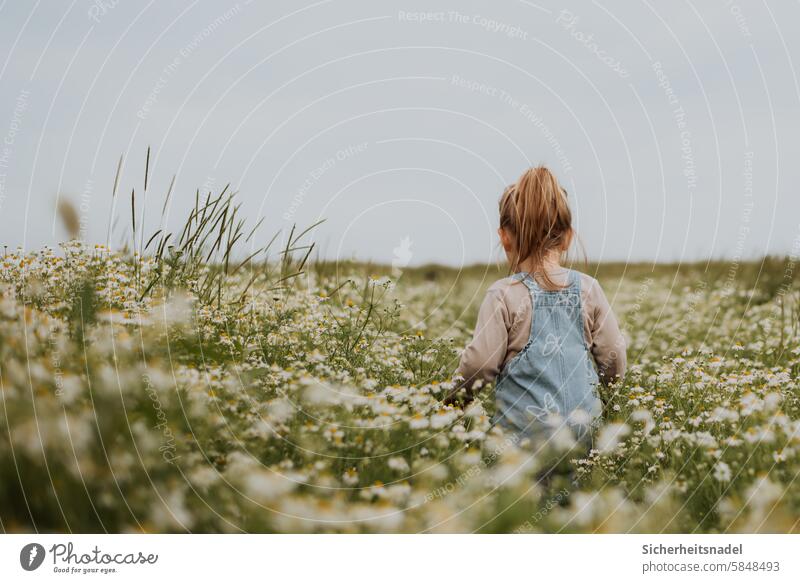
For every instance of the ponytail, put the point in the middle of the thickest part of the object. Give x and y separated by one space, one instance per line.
535 212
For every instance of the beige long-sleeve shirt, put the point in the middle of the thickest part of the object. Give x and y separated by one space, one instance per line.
504 327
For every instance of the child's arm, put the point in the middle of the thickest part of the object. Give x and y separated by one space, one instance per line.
608 343
483 358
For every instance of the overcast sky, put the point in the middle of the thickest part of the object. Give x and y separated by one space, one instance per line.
675 127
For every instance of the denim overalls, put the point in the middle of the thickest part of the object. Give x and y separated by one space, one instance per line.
552 381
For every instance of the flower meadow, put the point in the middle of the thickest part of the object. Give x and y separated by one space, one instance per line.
165 388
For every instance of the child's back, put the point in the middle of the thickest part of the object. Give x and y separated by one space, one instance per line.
546 349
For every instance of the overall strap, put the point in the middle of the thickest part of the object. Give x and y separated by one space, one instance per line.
574 280
528 280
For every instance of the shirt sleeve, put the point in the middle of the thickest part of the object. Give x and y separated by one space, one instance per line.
608 343
483 357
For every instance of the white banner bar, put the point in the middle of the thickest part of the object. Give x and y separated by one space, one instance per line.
400 558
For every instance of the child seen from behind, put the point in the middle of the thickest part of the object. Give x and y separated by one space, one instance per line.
545 335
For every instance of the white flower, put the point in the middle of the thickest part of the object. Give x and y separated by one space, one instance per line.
722 472
264 486
442 418
722 414
580 417
611 435
751 404
763 493
474 409
756 435
644 416
562 437
350 477
702 439
398 464
471 457
772 400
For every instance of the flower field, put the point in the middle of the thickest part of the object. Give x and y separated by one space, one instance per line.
163 392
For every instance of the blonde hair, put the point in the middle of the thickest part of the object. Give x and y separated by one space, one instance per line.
535 213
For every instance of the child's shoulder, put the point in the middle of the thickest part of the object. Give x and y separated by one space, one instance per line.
508 290
587 281
591 289
504 284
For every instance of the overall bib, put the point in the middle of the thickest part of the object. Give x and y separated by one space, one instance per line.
553 380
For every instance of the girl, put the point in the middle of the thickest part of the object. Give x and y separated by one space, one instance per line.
546 334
